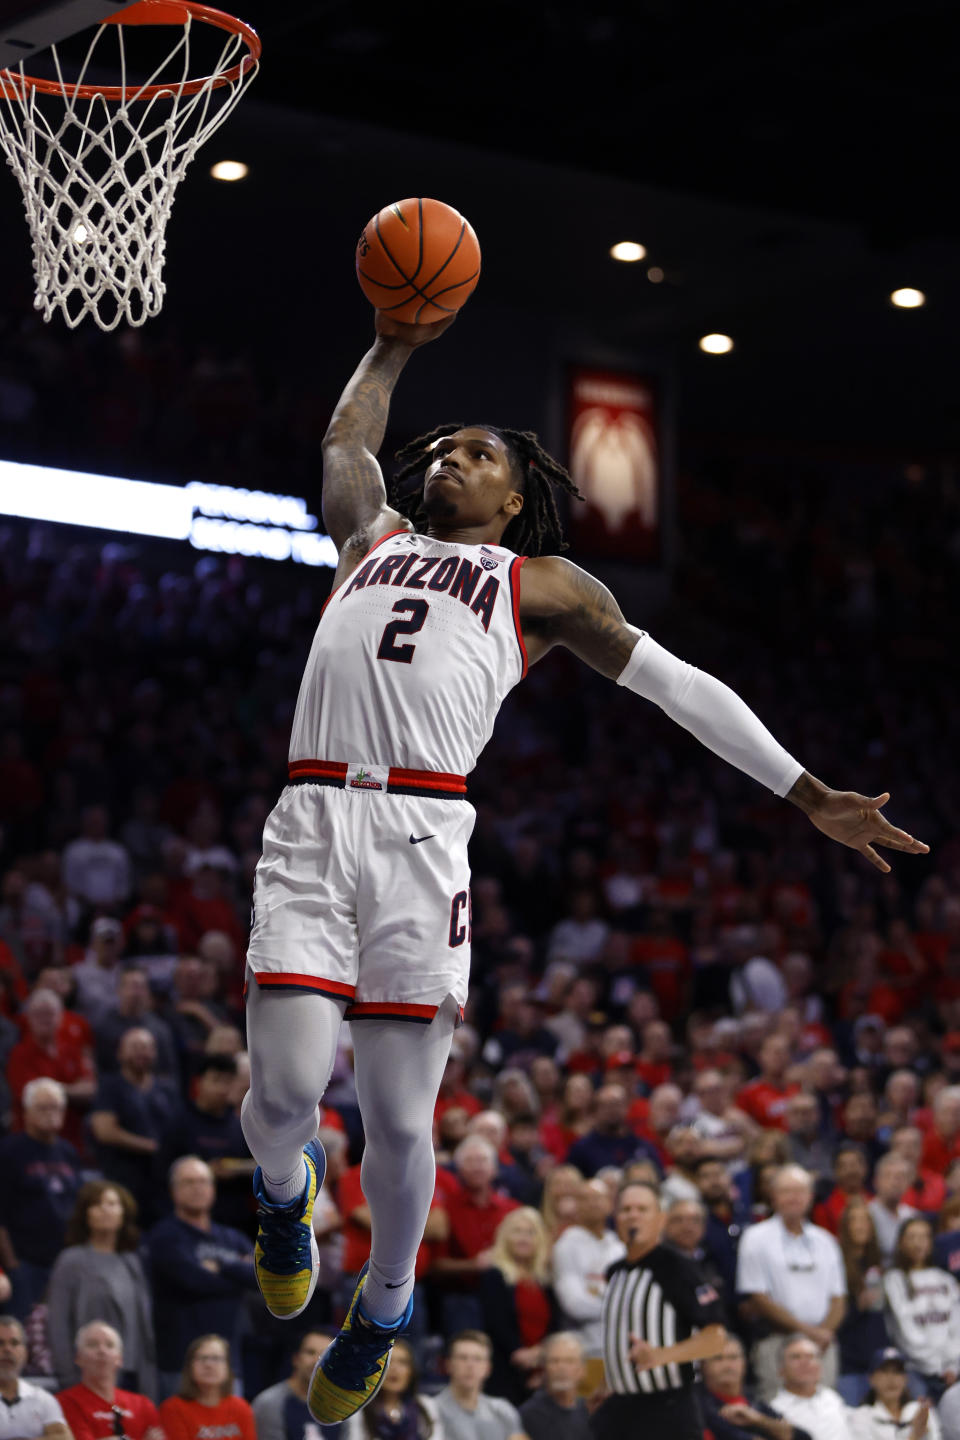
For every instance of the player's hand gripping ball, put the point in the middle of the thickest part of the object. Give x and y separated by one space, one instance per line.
418 261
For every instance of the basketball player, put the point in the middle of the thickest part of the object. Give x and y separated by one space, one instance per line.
361 897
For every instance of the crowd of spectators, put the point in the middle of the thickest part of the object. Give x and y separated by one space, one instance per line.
674 977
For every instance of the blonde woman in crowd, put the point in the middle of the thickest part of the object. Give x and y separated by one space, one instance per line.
517 1303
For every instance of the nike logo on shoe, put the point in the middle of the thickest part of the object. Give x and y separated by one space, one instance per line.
386 1283
418 840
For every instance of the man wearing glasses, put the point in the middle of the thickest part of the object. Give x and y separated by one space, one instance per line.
793 1276
95 1409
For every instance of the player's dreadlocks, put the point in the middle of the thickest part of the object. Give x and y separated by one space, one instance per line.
537 529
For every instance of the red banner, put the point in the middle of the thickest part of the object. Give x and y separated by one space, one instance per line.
615 462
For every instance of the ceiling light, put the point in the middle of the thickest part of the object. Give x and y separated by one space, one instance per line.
229 170
908 299
628 250
715 344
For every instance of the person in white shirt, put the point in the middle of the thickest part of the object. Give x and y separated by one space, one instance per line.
27 1412
891 1180
949 1413
581 1257
793 1274
803 1399
95 868
923 1308
888 1413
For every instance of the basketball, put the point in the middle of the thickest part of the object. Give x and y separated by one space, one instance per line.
418 260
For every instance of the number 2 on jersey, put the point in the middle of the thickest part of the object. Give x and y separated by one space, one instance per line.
389 649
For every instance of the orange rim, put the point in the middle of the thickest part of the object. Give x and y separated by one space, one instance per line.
152 12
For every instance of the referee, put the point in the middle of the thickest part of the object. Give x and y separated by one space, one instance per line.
655 1301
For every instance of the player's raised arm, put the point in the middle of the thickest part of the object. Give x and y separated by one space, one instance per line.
354 495
562 604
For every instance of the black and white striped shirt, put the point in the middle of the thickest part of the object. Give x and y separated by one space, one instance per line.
662 1298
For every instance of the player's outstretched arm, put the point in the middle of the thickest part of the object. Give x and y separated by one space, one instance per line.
354 495
560 604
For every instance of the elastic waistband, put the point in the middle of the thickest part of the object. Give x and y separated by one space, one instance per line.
375 779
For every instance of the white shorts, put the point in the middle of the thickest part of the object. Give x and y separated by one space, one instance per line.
364 895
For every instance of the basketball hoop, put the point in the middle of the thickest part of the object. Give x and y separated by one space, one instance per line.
99 165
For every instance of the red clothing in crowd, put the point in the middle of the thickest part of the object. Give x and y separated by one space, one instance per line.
766 1103
28 1061
927 1193
473 1226
90 1417
667 962
533 1310
459 1100
828 1212
937 1152
654 1072
19 989
356 1237
231 1419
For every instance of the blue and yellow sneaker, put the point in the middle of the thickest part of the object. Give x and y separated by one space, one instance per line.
286 1257
350 1372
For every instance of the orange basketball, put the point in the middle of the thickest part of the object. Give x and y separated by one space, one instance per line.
418 260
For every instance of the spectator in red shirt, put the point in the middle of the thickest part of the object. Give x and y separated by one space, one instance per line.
850 1172
653 1063
206 1407
474 1211
663 1112
765 1099
45 1050
943 1140
95 1409
453 1090
575 1117
206 905
667 961
927 1190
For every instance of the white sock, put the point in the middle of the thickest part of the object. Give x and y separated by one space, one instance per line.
386 1292
284 1192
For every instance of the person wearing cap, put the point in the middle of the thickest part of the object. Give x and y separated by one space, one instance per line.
793 1273
888 1412
97 973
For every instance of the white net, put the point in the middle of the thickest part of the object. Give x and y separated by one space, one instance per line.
99 174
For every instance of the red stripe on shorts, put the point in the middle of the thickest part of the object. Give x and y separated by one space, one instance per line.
271 980
375 1010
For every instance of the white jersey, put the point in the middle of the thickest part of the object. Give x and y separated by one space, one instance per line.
412 657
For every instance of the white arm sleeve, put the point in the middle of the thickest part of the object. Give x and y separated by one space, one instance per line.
711 711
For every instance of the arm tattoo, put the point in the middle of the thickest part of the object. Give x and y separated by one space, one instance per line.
353 488
592 624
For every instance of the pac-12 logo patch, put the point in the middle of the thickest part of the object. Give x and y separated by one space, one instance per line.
488 560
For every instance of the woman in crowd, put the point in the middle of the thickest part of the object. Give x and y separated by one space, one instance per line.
923 1309
517 1306
99 1276
887 1412
561 1195
206 1405
398 1411
575 1118
864 1329
513 1094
